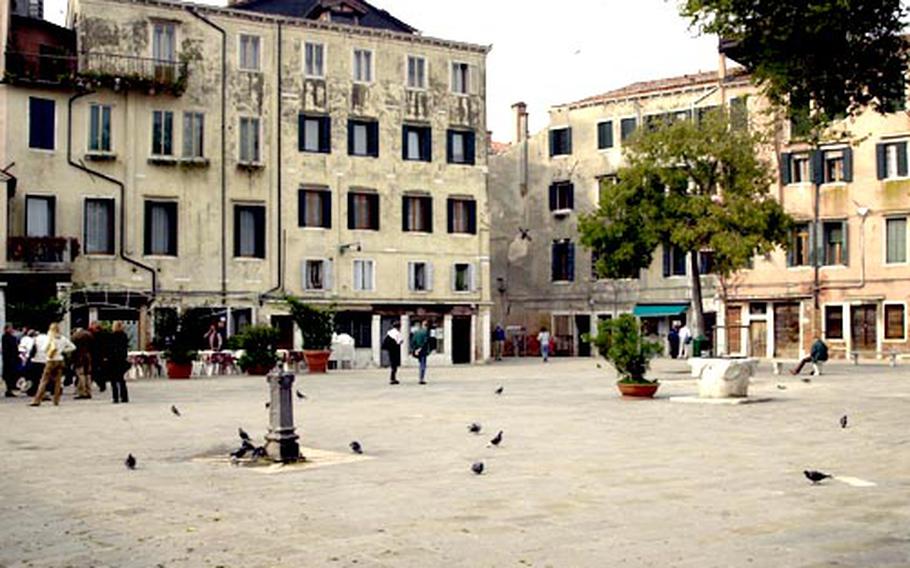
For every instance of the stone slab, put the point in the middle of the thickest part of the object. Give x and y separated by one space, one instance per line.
733 401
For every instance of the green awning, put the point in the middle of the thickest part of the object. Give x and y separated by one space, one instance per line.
659 310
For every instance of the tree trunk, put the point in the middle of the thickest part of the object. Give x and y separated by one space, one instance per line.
697 321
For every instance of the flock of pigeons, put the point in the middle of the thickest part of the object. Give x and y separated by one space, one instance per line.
817 477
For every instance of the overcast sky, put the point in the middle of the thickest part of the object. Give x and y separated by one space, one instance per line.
546 54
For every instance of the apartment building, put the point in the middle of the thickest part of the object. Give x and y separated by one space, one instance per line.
178 156
541 183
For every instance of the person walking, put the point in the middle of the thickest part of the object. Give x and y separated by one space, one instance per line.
543 338
499 342
82 362
673 340
117 362
420 348
10 346
50 349
818 353
392 344
685 342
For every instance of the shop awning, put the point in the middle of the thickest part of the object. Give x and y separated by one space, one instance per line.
659 310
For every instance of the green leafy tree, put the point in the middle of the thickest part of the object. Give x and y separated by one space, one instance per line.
696 185
837 55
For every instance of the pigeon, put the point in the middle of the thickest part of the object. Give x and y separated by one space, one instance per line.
599 365
258 453
268 404
497 439
300 395
174 410
130 462
355 447
243 435
807 380
242 450
782 387
843 421
816 476
498 391
474 428
477 467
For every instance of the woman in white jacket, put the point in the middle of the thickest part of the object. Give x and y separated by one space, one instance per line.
50 349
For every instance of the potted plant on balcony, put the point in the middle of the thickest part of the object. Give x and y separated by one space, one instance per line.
258 343
179 341
620 342
316 325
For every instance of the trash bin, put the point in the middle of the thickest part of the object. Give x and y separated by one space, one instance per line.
699 344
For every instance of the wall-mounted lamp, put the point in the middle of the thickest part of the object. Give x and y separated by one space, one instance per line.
348 246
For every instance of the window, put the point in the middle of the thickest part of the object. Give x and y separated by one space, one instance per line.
314 60
739 112
417 72
363 66
420 276
363 211
834 241
98 226
416 143
627 127
706 262
795 168
249 140
896 240
800 245
314 208
604 135
674 260
460 147
363 276
462 216
417 213
461 78
837 165
99 128
562 265
463 277
249 53
358 325
193 134
41 123
562 196
363 138
40 218
317 274
758 308
161 228
560 142
834 322
162 133
891 160
894 322
164 41
249 231
314 134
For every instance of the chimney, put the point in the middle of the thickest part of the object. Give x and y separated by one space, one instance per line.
521 122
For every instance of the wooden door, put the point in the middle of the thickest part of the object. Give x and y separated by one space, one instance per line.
733 327
786 330
758 338
864 333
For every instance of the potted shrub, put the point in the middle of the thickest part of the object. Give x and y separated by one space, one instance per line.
619 341
316 325
258 343
179 352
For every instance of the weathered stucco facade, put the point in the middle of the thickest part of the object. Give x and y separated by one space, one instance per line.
215 175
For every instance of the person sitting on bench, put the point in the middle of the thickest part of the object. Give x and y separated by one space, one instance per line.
818 354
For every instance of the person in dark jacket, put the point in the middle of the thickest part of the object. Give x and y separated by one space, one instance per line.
392 344
99 354
117 362
420 348
82 362
10 360
673 340
817 354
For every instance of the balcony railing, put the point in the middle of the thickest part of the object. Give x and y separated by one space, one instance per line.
112 70
42 250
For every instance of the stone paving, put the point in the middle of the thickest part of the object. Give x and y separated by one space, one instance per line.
582 478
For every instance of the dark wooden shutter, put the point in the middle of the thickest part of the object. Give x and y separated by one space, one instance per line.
327 209
552 143
172 227
817 167
450 217
554 189
351 125
405 212
568 139
902 159
301 131
259 213
472 217
301 208
148 228
351 210
426 145
404 141
881 168
571 199
325 134
667 267
450 135
554 262
791 250
237 210
845 235
469 147
785 160
374 211
570 262
848 164
373 139
428 214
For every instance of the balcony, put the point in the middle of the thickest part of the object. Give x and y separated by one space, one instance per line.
42 252
96 69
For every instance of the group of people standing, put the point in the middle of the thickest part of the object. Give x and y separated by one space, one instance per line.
88 355
421 345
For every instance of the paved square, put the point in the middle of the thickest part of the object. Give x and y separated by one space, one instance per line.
582 478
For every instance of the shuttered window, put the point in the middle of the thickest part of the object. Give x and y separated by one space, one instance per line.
363 211
416 143
41 123
562 267
249 231
462 216
314 208
798 254
895 323
417 213
314 133
562 196
560 141
627 127
834 322
460 147
891 160
161 228
363 138
896 240
834 243
605 135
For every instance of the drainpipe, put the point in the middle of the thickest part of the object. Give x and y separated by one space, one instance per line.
219 29
279 242
118 183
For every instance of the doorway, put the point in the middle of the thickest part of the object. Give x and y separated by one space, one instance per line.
461 340
786 330
582 330
758 338
733 327
864 334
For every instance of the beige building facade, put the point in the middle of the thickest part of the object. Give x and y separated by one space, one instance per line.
218 158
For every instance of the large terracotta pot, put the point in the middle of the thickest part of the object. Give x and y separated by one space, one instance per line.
179 370
317 360
638 390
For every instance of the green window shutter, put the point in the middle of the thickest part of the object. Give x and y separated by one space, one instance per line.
881 166
817 167
901 159
848 164
845 239
785 161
